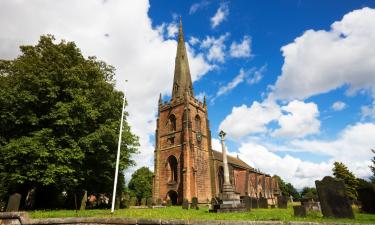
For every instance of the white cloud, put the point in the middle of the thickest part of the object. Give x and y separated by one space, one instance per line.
241 50
368 111
197 6
216 47
133 48
320 61
245 120
220 15
172 29
298 120
338 106
231 85
193 40
216 144
257 75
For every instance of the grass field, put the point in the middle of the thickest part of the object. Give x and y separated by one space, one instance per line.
176 212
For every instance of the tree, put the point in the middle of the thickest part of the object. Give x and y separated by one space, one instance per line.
287 189
372 178
341 172
140 184
59 121
309 192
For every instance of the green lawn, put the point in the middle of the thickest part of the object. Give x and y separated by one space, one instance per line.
176 212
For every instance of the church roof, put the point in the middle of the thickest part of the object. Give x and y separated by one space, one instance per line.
231 160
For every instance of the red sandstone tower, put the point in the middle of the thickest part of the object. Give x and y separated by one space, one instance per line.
183 153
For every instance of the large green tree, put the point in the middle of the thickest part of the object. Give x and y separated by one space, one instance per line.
140 185
59 121
287 189
372 167
341 172
309 192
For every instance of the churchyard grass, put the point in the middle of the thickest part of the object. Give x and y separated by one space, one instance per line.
176 212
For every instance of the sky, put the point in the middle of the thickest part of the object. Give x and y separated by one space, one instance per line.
292 83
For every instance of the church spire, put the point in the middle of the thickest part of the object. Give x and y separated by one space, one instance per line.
182 78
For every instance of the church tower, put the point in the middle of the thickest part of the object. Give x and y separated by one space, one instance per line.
183 155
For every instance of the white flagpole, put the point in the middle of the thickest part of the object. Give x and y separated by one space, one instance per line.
118 157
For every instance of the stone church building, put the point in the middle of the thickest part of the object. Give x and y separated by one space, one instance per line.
186 166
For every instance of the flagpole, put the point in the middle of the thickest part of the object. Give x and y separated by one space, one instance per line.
118 157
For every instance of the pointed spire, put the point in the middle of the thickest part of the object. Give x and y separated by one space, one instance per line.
160 99
182 79
204 101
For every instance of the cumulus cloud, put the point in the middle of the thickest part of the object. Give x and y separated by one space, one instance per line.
298 120
338 106
216 47
241 50
368 111
133 48
320 61
220 15
231 85
172 29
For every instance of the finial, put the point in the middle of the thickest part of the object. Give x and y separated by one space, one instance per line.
222 134
160 99
204 101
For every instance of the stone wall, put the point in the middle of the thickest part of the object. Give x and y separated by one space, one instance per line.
21 218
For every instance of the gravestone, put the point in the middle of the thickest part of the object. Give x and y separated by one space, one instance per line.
14 203
194 203
247 202
143 201
299 211
333 199
132 201
185 204
366 196
263 204
272 206
158 201
254 203
149 202
169 202
282 202
83 201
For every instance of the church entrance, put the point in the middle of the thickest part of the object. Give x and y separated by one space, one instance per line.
172 195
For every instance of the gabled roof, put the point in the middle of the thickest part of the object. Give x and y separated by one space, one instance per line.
231 160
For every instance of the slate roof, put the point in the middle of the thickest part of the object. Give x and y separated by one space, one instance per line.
231 160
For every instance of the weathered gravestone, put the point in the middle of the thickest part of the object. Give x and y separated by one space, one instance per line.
263 204
83 201
254 203
132 201
143 201
333 199
247 202
169 202
149 202
185 204
194 203
366 196
14 203
299 211
158 201
282 202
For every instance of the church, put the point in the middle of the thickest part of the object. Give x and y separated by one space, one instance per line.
186 166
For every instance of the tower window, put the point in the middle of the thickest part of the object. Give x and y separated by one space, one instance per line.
172 123
172 164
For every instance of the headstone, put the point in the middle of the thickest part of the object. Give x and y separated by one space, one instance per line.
272 206
158 201
83 201
132 201
311 205
149 202
263 204
247 202
143 201
333 199
254 203
169 202
366 196
14 203
299 211
185 204
282 202
194 203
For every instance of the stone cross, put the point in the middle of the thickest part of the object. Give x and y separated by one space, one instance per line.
225 160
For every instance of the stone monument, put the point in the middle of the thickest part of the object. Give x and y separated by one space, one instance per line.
13 203
282 202
333 199
230 200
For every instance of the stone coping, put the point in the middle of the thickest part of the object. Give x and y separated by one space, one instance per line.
22 218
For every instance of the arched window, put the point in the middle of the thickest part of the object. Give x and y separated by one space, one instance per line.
172 164
197 123
172 123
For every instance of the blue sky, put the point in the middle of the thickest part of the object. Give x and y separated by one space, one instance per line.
291 82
